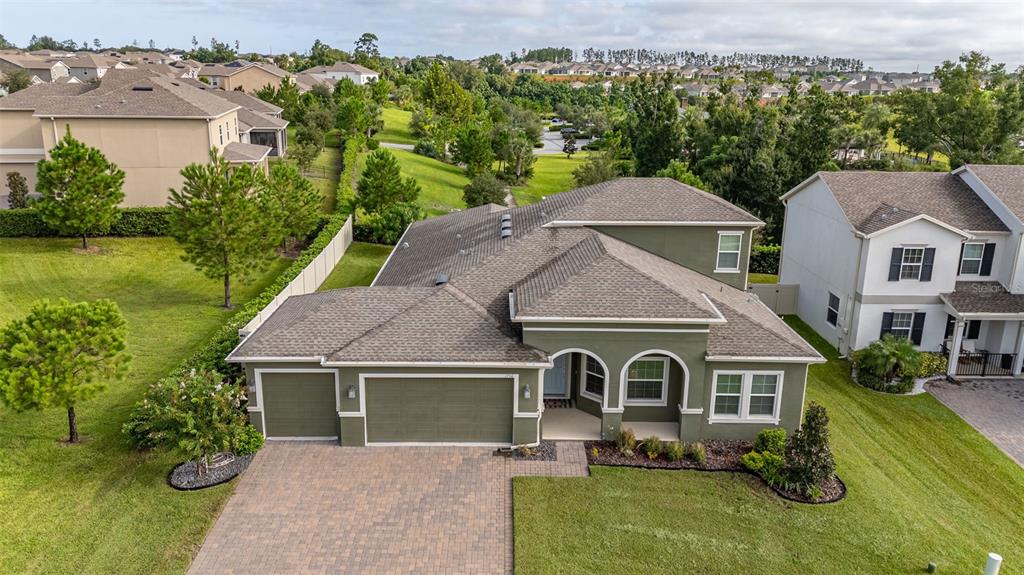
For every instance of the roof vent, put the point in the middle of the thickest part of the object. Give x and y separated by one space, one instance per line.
405 245
142 88
506 217
462 252
441 279
506 225
506 232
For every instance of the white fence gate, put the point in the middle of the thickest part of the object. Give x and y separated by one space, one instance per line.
781 298
309 279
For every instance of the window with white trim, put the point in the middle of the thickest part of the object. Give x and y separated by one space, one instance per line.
220 128
593 378
647 381
832 315
910 267
729 251
970 261
746 395
902 323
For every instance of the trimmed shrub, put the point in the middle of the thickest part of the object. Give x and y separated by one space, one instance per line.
247 440
768 465
651 447
426 148
930 364
771 440
765 259
697 452
141 221
626 441
889 364
675 450
346 195
372 144
17 188
809 459
387 225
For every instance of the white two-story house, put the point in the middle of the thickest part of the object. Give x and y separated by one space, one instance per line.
934 257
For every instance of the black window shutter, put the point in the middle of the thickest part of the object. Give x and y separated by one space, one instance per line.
927 265
950 324
986 259
960 262
886 322
973 329
917 329
894 264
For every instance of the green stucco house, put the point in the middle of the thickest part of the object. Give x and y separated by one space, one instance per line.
617 304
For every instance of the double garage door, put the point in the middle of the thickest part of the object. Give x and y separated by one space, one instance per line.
398 410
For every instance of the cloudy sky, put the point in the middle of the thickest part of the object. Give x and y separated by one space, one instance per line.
892 35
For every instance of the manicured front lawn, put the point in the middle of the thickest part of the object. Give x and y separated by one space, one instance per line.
357 267
763 278
441 184
101 507
551 174
923 486
396 126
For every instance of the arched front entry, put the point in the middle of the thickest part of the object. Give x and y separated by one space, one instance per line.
575 394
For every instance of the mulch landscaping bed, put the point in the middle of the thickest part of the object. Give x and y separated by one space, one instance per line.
546 451
184 477
722 455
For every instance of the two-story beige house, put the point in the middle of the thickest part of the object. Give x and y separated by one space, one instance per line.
150 125
242 75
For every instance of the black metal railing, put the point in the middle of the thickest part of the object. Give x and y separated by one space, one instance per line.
982 363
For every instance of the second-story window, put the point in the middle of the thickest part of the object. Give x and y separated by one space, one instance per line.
970 261
911 266
220 129
729 244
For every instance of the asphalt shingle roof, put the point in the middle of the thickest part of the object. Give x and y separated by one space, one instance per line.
240 152
1006 182
867 197
984 297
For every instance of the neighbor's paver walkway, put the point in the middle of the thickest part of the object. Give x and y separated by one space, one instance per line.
995 407
305 507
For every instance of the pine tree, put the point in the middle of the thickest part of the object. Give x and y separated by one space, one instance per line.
381 184
294 200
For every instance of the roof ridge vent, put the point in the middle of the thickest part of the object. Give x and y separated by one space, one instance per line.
506 217
506 232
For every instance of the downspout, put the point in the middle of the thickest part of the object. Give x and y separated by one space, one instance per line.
850 329
53 122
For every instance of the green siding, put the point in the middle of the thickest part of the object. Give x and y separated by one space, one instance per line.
794 380
668 412
299 404
439 410
695 247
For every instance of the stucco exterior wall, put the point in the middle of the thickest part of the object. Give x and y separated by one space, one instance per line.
794 382
922 233
695 247
813 220
1009 256
20 130
152 152
250 80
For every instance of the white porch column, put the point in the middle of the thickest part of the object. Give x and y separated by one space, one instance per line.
1018 360
954 350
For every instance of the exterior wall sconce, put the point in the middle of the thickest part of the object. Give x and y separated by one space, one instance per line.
351 392
526 391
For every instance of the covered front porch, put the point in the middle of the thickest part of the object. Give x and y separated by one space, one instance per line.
571 424
984 331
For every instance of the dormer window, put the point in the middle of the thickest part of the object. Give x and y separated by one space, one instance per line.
729 244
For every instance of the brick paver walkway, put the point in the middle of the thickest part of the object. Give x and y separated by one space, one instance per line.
995 407
305 507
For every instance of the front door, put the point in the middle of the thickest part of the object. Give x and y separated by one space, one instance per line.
556 379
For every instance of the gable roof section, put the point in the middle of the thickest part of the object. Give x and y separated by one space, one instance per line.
456 242
600 278
1005 181
347 67
874 201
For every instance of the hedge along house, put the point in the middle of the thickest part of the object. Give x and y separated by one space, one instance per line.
617 304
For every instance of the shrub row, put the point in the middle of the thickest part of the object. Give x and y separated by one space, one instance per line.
765 259
26 222
346 183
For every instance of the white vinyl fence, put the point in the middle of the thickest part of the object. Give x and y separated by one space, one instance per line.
311 277
781 298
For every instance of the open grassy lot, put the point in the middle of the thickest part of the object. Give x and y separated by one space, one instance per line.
358 266
101 507
551 174
441 183
396 126
923 486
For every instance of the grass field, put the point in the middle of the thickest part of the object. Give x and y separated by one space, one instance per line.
923 486
101 507
358 266
441 183
396 126
551 174
891 145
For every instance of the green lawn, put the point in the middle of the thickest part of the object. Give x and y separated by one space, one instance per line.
891 145
763 278
326 168
358 266
396 126
923 486
441 183
101 507
551 174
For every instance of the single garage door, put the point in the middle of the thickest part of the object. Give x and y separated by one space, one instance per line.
299 405
433 410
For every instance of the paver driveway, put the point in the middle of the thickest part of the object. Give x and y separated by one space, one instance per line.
995 407
305 507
